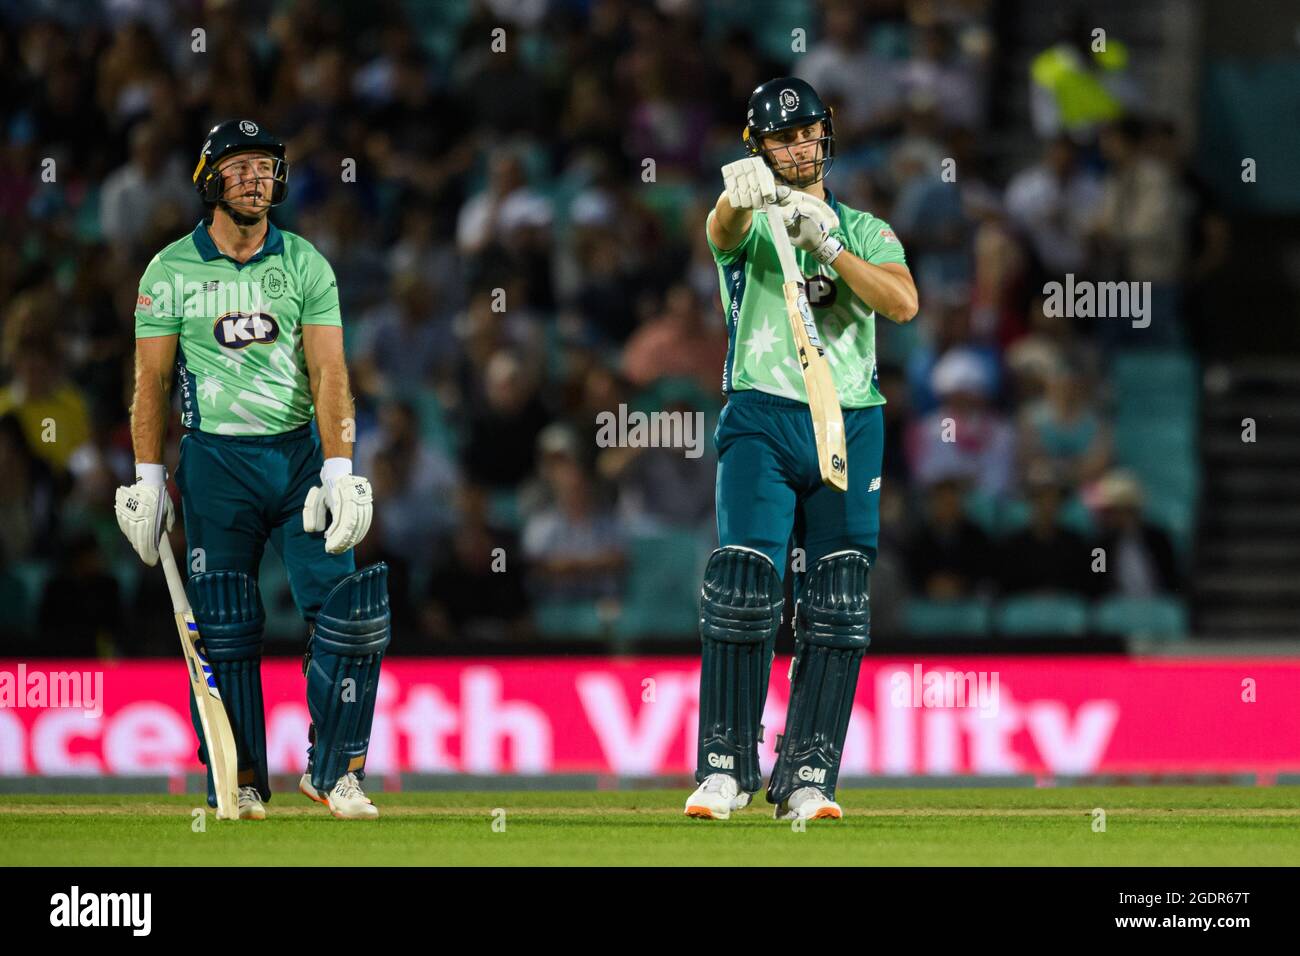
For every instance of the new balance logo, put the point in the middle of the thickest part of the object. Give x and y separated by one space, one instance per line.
812 774
722 763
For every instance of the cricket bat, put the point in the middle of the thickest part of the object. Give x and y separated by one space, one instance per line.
219 739
823 402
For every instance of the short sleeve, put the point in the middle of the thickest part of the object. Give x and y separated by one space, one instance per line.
878 243
156 310
320 297
729 256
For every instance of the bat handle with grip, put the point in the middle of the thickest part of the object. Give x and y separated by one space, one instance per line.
784 249
175 586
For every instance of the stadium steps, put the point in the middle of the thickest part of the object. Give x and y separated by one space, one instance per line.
1242 555
1258 483
1247 582
1249 621
1252 585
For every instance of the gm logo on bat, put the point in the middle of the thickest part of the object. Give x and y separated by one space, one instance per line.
837 464
237 330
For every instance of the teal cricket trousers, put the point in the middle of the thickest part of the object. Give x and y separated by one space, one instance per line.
238 492
770 495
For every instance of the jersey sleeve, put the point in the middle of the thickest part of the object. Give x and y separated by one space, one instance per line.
731 255
156 312
878 243
320 292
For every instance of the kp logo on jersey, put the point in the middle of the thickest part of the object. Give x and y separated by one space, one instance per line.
237 330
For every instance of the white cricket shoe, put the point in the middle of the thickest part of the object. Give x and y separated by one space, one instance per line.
808 803
250 804
716 797
347 801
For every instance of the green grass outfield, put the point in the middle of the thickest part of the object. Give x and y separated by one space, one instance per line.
1177 826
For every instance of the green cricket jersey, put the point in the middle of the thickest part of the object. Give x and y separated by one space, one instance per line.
239 362
761 353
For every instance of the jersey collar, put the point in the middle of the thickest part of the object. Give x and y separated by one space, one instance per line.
272 246
832 201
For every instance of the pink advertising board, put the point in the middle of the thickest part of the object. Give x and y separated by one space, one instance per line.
637 716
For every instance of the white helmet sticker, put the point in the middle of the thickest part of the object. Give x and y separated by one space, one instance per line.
789 100
248 127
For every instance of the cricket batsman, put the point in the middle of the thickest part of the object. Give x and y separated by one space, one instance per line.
770 495
247 315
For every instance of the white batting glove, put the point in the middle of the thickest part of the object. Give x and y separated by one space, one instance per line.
348 501
750 184
809 222
144 510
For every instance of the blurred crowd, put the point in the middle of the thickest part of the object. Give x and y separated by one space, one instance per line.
510 264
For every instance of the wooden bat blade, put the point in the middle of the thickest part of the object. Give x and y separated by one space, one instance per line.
823 400
218 737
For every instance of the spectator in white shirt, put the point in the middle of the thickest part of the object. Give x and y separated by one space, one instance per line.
1053 202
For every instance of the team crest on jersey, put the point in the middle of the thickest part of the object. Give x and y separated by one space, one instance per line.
273 282
821 291
789 100
237 330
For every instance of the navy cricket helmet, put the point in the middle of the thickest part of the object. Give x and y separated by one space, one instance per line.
784 103
238 136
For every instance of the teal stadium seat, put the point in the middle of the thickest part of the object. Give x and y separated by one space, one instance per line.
30 577
1155 443
963 618
662 592
503 509
1175 515
13 598
569 620
983 509
1014 516
1154 373
1164 617
434 425
1042 615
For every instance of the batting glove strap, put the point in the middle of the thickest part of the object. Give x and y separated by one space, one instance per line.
829 248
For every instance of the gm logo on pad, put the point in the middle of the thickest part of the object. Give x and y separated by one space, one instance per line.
237 330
